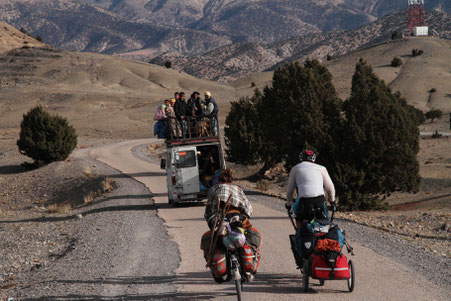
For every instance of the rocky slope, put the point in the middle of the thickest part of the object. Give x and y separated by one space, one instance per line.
261 20
82 27
187 27
239 60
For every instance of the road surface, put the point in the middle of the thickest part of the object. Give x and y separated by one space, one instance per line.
377 277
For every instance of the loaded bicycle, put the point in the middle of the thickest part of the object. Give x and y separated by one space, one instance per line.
317 248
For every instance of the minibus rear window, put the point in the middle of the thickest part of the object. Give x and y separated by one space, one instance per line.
185 159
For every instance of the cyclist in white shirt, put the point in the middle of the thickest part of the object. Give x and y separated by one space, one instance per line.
312 182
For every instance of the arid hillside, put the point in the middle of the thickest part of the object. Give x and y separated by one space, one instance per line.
414 78
100 95
11 38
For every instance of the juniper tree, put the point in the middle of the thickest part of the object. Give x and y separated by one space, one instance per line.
46 138
243 130
380 142
433 114
299 110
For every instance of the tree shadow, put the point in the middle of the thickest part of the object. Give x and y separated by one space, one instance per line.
264 283
384 66
12 169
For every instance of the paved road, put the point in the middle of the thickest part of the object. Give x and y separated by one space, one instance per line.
377 277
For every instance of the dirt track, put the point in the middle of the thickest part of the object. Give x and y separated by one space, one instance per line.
377 277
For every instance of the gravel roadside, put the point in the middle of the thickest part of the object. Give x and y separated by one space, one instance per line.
119 249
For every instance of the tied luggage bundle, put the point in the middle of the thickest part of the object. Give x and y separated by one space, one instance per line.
328 262
249 253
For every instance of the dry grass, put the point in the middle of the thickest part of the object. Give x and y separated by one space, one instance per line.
90 197
154 147
59 208
108 185
87 172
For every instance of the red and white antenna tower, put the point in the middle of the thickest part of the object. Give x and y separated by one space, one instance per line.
415 14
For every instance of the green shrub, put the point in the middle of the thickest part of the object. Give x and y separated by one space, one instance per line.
168 64
417 52
329 57
396 35
396 62
46 138
433 90
38 38
433 114
253 84
263 185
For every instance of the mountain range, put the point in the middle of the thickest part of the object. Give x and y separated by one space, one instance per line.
188 27
242 59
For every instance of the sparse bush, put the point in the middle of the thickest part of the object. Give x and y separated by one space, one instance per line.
38 38
329 57
22 30
396 62
263 185
395 35
433 90
417 52
433 114
253 84
436 135
168 64
46 138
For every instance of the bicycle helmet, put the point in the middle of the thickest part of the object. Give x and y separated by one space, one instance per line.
307 155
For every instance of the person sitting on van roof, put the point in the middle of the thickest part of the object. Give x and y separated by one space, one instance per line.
181 109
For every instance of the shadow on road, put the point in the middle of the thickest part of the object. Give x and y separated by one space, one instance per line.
252 219
266 283
138 175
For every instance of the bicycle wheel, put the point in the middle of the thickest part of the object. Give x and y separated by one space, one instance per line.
351 280
238 288
305 276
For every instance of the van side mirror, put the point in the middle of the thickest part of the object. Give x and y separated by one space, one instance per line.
163 164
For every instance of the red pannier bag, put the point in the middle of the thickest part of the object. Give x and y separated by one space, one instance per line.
218 262
322 270
250 252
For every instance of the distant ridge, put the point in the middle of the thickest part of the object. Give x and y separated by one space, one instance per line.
240 60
